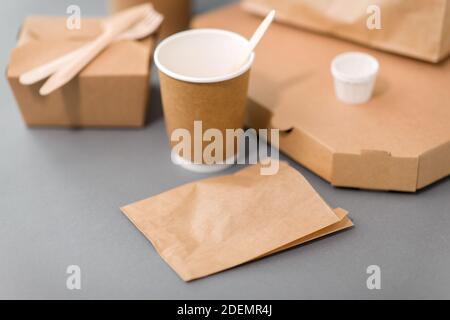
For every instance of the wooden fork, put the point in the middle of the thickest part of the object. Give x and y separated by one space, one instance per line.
113 27
141 30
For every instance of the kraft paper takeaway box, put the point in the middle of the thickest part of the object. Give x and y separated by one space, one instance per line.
112 91
400 140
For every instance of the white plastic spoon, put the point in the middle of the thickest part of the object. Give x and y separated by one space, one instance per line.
257 36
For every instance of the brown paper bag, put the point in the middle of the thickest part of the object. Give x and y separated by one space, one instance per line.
177 13
415 28
215 224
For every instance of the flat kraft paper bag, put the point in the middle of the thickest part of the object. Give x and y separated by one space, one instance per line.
415 28
215 224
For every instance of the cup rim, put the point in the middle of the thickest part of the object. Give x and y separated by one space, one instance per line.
369 59
245 67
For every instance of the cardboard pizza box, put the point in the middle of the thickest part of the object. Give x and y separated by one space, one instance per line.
399 141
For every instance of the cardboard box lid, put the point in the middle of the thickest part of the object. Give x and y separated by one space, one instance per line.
378 145
42 39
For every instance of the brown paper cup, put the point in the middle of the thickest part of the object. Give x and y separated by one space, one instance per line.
177 13
203 78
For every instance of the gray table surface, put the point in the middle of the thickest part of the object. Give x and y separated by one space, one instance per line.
60 193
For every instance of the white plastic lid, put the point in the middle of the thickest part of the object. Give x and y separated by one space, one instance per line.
355 67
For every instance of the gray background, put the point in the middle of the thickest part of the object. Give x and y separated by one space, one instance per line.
60 193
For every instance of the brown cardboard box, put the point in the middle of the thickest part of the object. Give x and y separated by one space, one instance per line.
398 141
112 91
177 13
348 19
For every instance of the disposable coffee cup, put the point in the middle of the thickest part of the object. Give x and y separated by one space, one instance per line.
355 75
177 13
204 77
